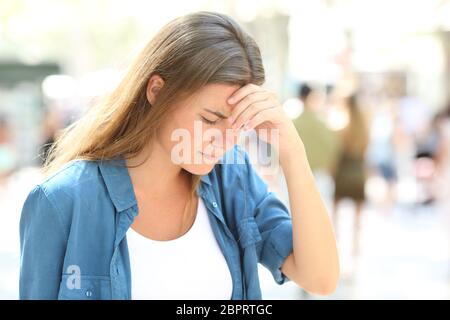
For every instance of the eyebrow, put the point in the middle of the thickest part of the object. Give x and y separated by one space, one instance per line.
217 113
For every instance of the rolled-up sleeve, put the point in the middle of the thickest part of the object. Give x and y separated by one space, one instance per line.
42 248
274 223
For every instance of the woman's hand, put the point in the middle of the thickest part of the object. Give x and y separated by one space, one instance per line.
257 108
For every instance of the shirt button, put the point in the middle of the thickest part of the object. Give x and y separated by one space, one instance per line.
214 204
89 293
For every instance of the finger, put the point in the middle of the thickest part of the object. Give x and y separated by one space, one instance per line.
244 103
242 92
248 113
261 117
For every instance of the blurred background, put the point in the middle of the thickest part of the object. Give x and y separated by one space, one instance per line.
366 83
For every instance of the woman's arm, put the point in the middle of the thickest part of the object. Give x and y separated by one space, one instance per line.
314 263
42 247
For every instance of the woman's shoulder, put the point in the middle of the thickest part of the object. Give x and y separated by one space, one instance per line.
74 177
70 190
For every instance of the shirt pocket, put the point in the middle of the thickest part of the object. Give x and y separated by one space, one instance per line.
87 288
248 232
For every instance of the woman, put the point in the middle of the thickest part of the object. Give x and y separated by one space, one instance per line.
349 174
126 214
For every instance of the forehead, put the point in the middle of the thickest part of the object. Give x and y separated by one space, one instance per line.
214 97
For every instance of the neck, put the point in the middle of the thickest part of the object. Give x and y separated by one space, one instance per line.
156 172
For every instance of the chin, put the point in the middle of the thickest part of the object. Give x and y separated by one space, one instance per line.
199 169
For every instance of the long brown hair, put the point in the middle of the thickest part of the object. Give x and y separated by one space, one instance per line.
189 52
356 134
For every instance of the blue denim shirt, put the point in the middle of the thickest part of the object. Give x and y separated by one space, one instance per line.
73 229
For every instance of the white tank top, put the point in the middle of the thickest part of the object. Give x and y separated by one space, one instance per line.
189 267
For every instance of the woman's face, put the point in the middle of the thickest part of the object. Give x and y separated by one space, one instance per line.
197 133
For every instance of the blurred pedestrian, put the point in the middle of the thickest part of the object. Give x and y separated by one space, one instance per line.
350 175
320 141
7 154
442 158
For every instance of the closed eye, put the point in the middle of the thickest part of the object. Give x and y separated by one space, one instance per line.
209 121
216 113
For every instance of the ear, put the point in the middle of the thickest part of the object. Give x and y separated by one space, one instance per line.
154 85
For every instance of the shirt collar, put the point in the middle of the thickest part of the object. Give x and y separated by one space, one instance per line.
118 182
206 179
119 185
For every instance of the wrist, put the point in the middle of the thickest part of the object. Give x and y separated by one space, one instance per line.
292 151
